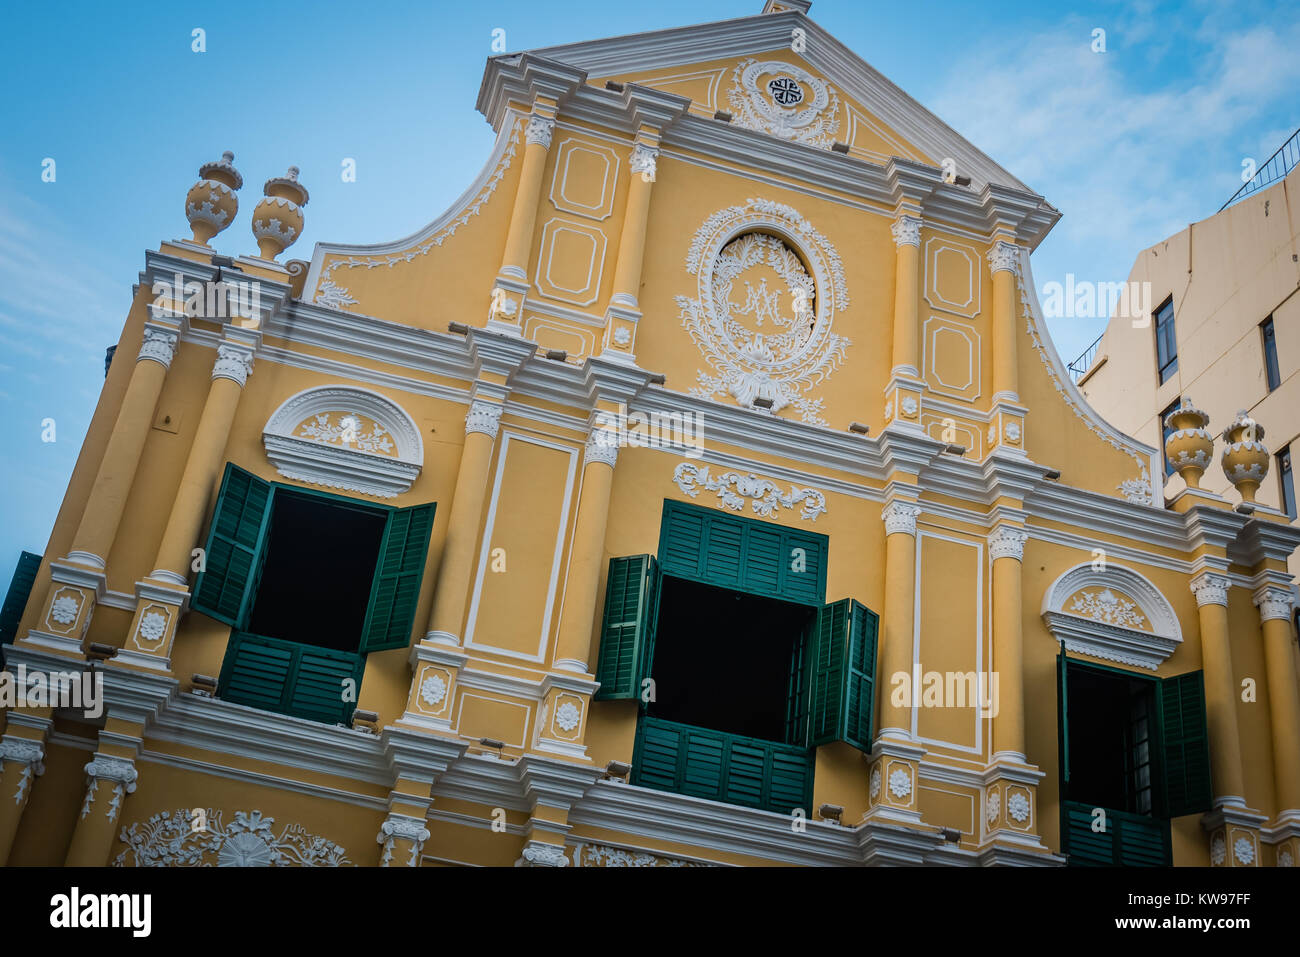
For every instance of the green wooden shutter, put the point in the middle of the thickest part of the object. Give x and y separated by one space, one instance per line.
1184 739
20 589
318 685
796 699
759 558
841 688
396 589
235 543
625 638
1130 840
290 678
1063 716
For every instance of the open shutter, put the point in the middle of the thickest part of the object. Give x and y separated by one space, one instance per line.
842 682
625 652
20 590
396 589
235 542
1184 745
1063 717
796 699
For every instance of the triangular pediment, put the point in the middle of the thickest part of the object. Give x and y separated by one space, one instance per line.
782 74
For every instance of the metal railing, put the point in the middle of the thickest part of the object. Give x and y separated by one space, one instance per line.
1278 165
1084 362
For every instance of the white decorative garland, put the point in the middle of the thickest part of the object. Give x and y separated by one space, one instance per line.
767 496
184 839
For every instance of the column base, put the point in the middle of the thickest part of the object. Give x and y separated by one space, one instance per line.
1235 835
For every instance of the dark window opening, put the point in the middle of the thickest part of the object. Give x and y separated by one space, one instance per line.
1165 430
1270 354
722 659
317 572
1288 482
1166 341
1111 743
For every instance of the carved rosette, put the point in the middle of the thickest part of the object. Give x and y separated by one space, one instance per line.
158 345
1210 589
234 363
1008 542
907 231
644 161
399 826
484 417
539 131
1274 603
900 517
1004 257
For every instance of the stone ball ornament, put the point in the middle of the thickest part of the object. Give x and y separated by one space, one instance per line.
1189 447
211 203
277 219
1244 458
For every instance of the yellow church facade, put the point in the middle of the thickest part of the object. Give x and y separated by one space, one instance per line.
702 488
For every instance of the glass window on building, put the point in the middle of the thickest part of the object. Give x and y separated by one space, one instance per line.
1166 342
1165 429
1270 354
1288 482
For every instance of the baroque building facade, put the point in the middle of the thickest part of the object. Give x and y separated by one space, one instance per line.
703 487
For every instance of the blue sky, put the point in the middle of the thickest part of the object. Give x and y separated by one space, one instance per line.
1131 145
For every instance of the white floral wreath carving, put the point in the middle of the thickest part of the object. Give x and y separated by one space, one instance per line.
782 366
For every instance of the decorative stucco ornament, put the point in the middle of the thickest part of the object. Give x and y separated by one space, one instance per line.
1218 850
875 783
277 219
1106 606
1245 459
152 626
784 100
766 497
211 203
1188 446
567 716
183 838
773 343
1243 850
433 690
64 609
1018 807
900 783
994 807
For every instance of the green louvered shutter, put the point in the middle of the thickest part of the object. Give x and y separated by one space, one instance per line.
796 698
1185 745
235 543
20 589
1063 717
256 671
742 554
841 692
319 684
625 653
396 589
1129 840
289 677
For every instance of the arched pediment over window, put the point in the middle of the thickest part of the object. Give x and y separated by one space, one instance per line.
1115 614
346 438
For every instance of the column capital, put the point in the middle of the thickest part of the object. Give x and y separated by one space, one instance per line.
23 751
1274 602
484 417
234 362
900 517
1004 257
1007 541
602 447
537 854
158 345
406 828
907 230
539 131
644 160
117 770
1210 589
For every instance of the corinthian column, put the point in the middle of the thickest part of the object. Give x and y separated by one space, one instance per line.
899 621
1006 550
109 779
1211 593
907 272
1004 263
1275 606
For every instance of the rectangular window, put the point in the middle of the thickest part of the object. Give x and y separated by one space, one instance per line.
1288 483
1135 748
310 583
740 669
1166 341
1165 429
1270 354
